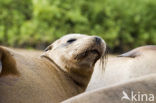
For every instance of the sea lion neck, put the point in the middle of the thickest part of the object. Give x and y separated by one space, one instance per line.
81 76
53 63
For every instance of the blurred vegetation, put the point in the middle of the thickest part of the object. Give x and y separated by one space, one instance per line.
124 24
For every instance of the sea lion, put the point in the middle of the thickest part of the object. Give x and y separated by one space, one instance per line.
135 63
139 90
63 70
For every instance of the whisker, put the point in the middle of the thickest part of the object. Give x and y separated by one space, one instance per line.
103 60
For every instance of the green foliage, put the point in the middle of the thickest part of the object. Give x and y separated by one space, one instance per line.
122 23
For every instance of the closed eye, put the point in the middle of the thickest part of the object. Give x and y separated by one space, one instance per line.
71 40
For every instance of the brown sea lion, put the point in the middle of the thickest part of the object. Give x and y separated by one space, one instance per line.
63 71
139 90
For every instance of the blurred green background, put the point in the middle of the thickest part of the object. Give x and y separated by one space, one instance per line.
123 24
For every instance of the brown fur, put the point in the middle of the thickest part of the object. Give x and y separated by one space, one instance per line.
113 94
38 81
51 78
6 59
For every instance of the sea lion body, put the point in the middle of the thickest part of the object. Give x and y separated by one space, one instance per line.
139 90
38 82
62 71
133 64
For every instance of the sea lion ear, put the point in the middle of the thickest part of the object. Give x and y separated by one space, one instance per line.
7 63
131 54
48 48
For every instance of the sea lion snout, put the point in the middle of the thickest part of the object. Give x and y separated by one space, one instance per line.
90 49
97 39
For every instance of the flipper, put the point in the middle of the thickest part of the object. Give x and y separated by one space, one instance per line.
132 54
7 63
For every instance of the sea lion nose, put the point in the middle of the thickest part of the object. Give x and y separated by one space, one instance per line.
97 40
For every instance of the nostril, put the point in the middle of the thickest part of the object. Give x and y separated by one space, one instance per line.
97 40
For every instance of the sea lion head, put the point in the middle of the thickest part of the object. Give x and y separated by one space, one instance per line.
76 54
